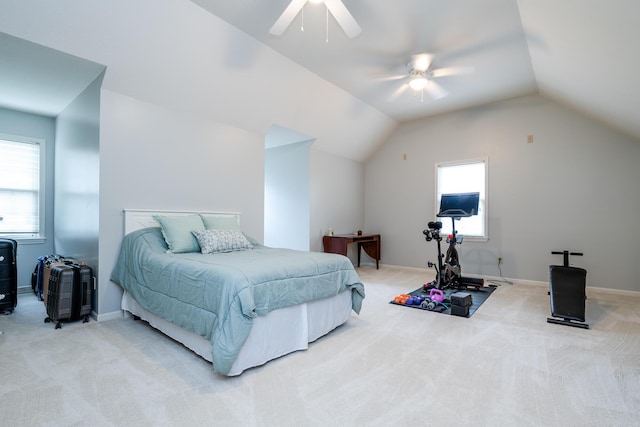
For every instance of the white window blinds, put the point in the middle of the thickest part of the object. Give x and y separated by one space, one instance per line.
19 187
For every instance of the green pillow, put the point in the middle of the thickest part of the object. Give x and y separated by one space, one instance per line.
220 222
177 232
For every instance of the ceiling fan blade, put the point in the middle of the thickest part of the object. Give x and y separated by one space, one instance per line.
396 94
287 17
435 90
451 71
421 62
392 78
344 17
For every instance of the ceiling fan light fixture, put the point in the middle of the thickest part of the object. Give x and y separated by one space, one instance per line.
418 83
316 1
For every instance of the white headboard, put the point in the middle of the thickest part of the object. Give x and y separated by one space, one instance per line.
136 219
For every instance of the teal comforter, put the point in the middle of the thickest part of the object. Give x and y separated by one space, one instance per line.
217 296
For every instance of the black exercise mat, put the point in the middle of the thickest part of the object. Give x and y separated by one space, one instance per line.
478 296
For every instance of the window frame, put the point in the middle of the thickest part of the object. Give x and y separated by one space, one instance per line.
38 237
485 211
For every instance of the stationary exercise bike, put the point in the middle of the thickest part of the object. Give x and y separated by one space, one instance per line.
448 270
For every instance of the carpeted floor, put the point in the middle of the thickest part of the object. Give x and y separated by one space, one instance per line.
504 366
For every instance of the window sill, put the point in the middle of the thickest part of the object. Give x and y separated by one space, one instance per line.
466 238
27 240
476 239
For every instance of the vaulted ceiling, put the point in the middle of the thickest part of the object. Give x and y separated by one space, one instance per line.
583 53
41 80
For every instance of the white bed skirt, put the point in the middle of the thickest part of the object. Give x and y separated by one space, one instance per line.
280 332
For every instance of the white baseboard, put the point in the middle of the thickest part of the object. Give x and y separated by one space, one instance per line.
402 267
614 291
511 280
518 281
108 316
431 273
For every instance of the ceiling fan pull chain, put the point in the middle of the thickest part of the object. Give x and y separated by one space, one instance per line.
327 26
302 24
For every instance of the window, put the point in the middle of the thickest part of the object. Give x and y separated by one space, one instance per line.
21 183
464 177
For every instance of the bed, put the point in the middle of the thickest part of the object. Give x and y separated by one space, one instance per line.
239 304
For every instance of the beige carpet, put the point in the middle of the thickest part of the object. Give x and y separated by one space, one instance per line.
505 366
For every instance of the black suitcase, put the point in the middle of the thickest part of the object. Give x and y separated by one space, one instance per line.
40 276
69 294
8 276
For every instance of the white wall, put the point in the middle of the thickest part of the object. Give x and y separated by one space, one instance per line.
337 197
77 173
286 196
574 187
156 158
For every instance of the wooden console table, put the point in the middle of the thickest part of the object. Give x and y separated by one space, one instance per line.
337 244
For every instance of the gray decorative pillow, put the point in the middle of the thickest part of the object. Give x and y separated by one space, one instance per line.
215 241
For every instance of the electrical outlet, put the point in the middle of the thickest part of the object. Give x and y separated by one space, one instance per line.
499 260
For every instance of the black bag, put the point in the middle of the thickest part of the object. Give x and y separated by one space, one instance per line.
69 293
8 276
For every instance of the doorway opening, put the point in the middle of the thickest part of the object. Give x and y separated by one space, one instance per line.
287 189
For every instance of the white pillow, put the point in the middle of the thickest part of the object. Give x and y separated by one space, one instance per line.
215 241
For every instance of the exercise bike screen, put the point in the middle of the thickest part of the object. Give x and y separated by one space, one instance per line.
459 205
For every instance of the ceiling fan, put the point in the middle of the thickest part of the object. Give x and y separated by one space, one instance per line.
421 75
336 7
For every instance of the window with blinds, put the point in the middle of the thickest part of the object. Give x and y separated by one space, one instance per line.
20 181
